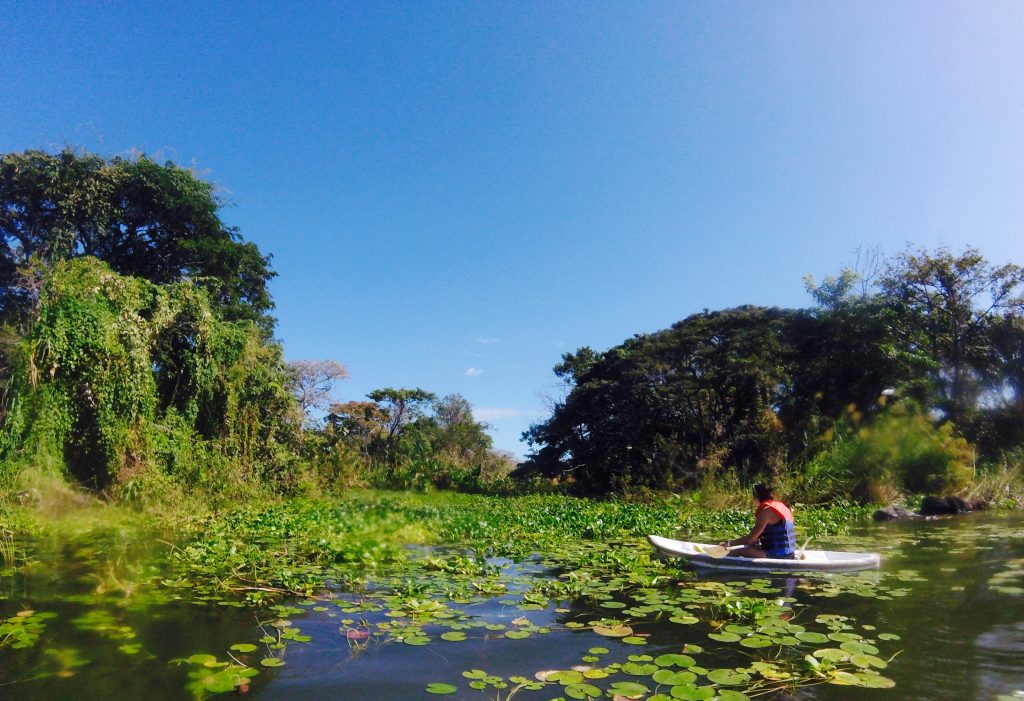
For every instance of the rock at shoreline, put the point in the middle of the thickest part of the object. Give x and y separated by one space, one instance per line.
943 506
895 512
930 508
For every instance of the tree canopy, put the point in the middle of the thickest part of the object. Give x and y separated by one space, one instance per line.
157 222
753 389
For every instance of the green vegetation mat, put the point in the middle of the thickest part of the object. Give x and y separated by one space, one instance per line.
567 565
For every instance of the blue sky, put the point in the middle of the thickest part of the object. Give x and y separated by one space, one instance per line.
457 193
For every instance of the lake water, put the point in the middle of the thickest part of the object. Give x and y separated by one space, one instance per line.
942 619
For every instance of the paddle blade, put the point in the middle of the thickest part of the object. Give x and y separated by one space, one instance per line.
715 551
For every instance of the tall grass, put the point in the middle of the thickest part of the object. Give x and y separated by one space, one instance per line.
1000 484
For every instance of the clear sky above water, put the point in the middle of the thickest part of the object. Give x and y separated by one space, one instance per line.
454 194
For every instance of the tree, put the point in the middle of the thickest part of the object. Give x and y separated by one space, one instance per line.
312 381
364 423
834 291
459 435
452 410
157 222
403 406
945 305
665 408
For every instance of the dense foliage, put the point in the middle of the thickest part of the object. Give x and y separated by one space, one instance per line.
757 391
577 570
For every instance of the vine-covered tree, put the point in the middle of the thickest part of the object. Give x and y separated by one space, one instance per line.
120 379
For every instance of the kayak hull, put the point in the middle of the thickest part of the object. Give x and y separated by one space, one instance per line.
812 560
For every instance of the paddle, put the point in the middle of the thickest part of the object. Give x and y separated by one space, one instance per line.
716 551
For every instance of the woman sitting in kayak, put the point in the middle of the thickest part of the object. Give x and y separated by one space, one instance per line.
772 535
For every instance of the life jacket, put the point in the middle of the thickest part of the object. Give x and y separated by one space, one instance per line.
778 539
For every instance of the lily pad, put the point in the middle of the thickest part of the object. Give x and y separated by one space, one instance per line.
724 637
692 692
441 688
582 691
613 631
666 676
674 660
631 690
728 677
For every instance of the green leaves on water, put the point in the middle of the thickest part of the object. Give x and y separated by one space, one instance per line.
614 631
209 675
664 676
858 648
583 690
811 637
692 692
600 595
23 629
756 641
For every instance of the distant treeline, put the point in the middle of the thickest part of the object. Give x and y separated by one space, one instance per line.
904 375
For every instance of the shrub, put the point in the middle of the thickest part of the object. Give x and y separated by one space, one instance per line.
900 449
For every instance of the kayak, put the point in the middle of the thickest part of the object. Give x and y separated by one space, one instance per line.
814 560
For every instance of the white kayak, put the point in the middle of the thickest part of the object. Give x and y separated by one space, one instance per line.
820 560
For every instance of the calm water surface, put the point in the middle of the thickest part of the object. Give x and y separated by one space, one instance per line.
952 590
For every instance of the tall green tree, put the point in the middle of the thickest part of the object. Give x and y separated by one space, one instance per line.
946 305
666 408
402 406
458 436
157 222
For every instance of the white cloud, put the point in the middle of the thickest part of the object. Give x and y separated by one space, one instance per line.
481 339
474 372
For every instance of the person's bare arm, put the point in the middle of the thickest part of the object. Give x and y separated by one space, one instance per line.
762 521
